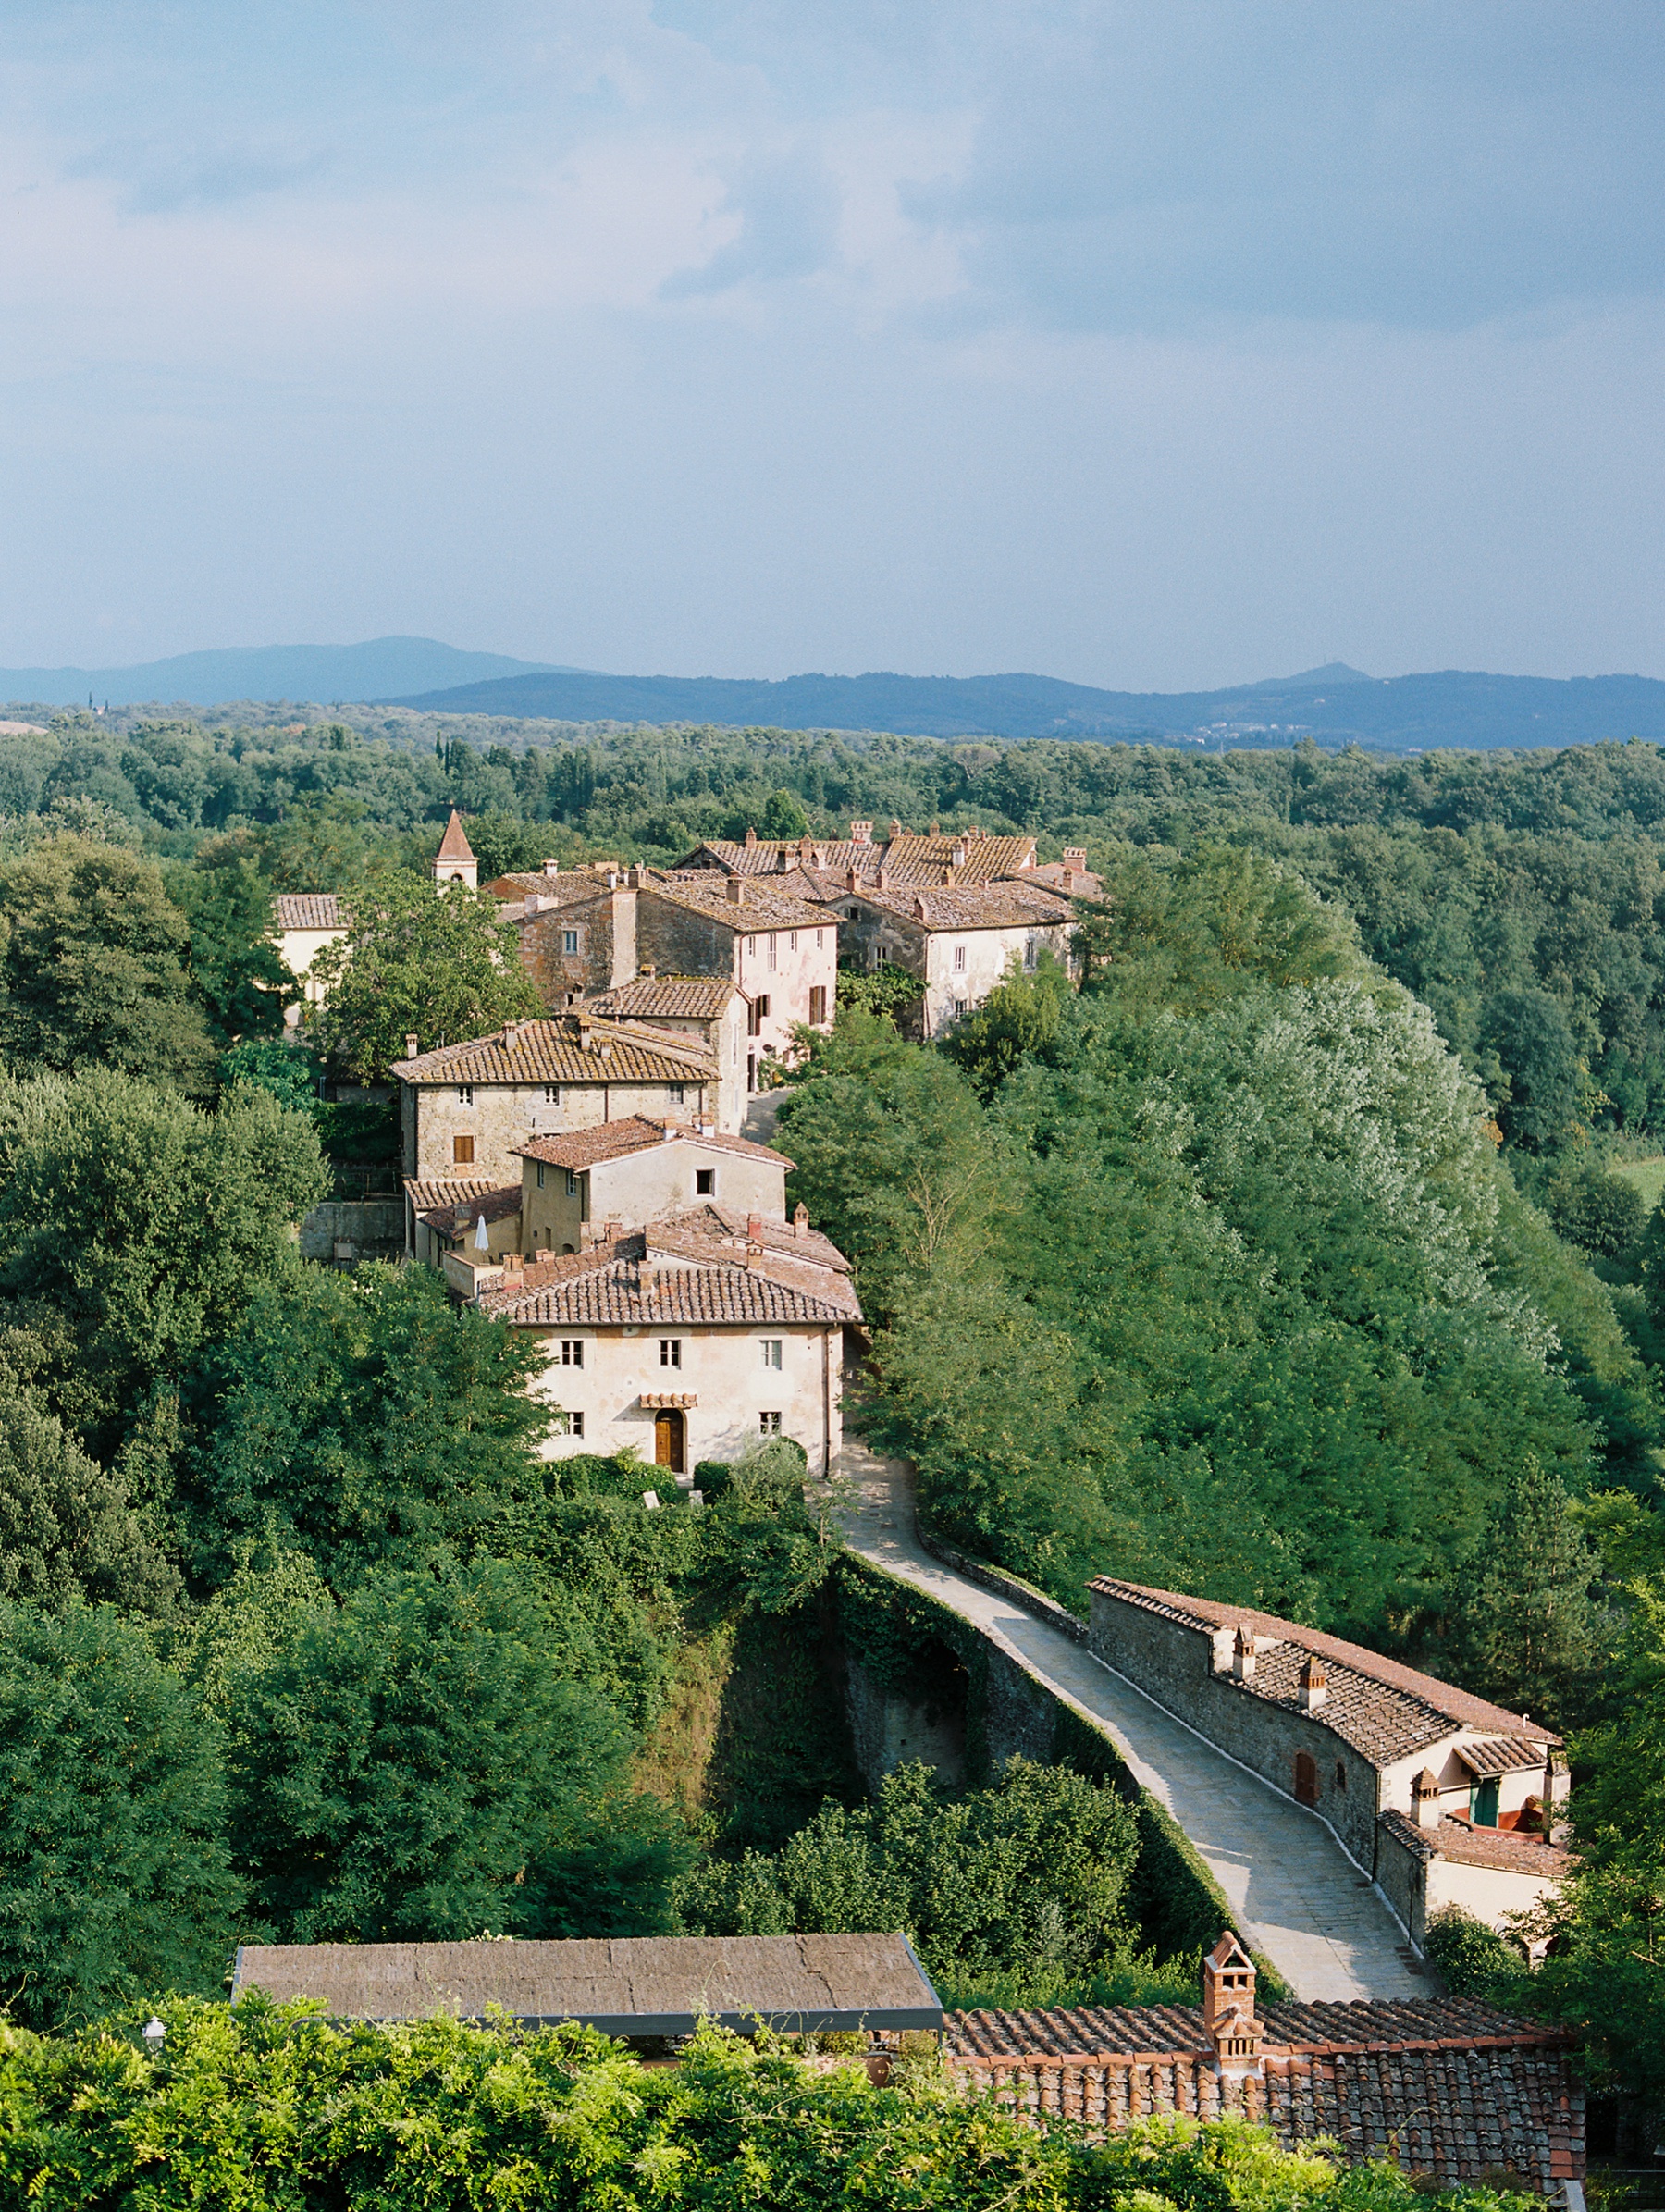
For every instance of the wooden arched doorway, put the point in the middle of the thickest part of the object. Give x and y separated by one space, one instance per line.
669 1439
1306 1778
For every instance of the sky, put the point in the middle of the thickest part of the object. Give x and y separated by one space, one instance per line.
1156 347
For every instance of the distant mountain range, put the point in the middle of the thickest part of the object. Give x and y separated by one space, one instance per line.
268 673
1334 703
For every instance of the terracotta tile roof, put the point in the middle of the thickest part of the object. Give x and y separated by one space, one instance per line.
727 1225
553 894
570 1048
691 997
972 906
1447 2088
1381 1707
760 907
497 1205
612 1140
1465 1843
454 845
423 1195
605 1286
812 1265
912 857
1500 1755
310 910
1083 884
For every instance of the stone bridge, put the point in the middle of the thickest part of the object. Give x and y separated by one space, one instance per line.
1292 1891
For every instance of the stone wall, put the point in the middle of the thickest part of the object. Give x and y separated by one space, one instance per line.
1174 1664
342 1231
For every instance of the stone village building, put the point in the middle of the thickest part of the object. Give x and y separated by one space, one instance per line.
1437 1796
303 924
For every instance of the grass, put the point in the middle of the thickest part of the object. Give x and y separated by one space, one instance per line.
1645 1177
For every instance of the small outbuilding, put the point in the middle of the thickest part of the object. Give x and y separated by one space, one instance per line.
634 1986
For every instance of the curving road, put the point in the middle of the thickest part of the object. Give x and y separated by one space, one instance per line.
1297 1896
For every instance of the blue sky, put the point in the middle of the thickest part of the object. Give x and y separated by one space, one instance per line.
1144 346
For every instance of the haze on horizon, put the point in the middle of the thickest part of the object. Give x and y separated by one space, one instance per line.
1154 350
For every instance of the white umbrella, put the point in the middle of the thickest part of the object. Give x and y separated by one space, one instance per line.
481 1242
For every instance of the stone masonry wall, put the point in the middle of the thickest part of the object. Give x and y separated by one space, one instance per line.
1172 1663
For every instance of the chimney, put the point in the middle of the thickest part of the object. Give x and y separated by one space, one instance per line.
650 969
1242 1656
754 1228
551 868
411 1041
542 1253
862 833
895 827
646 1275
1075 856
754 1254
1314 1684
852 880
807 848
956 858
1425 1799
751 841
1228 2019
736 891
613 1231
801 1219
513 1263
936 829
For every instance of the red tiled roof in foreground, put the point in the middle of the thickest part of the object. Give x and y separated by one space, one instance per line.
1385 1709
1445 2088
1506 1850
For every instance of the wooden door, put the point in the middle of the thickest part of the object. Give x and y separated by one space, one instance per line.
1306 1779
668 1439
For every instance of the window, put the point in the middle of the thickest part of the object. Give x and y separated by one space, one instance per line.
818 1005
959 1010
759 1015
678 1093
572 1183
771 1352
751 944
1340 1774
551 1094
792 942
540 1174
569 1425
572 1351
670 1351
1031 951
818 940
960 959
705 1182
462 1152
568 943
465 1094
769 1424
772 948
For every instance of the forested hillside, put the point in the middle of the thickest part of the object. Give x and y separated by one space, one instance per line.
1296 1256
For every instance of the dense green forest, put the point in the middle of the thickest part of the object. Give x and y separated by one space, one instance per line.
1297 1256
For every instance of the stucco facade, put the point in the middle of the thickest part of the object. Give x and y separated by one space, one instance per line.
781 953
562 1195
303 924
959 942
706 1010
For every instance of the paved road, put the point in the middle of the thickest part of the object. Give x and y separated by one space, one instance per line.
1298 1898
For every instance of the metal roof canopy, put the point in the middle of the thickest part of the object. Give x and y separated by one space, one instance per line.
630 1987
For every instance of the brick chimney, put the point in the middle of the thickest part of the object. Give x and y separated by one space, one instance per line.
807 848
736 891
514 1264
1075 856
801 1219
646 1275
862 833
1425 1799
896 829
613 1231
1314 1687
1228 2019
751 841
1242 1656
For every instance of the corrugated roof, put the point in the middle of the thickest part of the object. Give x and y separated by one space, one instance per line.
454 845
310 910
636 1132
693 997
761 905
638 1985
1382 1708
567 1048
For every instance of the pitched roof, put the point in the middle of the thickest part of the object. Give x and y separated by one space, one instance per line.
425 1193
723 1225
636 1132
1500 1755
1465 1843
567 1048
912 857
665 997
637 1985
1082 882
496 1204
1442 2086
760 907
454 845
310 910
605 1285
1384 1710
971 905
